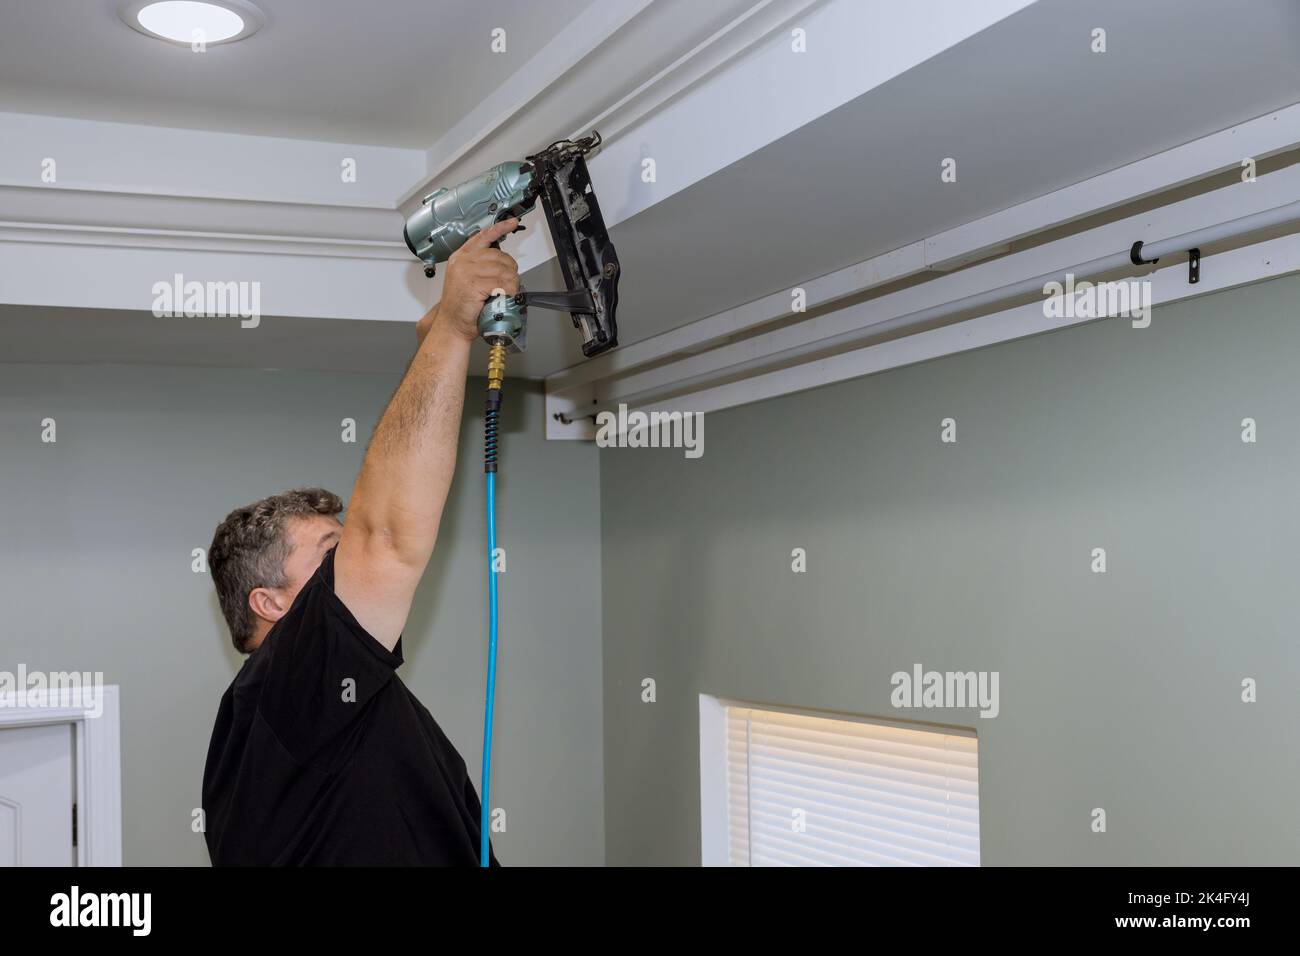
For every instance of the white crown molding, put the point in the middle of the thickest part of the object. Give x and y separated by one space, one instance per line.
309 258
526 87
565 86
264 208
121 237
713 53
94 217
132 190
118 186
1246 265
1260 137
682 369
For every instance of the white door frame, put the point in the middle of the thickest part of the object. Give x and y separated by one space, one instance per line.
97 759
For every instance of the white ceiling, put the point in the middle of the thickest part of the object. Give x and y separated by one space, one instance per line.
1025 107
376 72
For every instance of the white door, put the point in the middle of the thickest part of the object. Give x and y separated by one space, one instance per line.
36 796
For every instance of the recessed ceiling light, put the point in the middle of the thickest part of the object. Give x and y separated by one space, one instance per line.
187 22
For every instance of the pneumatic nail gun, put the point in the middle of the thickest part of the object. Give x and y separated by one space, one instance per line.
558 177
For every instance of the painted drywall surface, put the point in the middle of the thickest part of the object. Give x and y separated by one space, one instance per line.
1119 690
95 575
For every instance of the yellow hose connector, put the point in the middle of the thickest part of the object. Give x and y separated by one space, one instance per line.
496 365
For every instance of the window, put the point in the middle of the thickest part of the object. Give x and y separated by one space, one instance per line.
787 788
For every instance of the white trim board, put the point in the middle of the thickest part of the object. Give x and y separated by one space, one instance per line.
94 714
712 361
1243 266
1263 136
843 328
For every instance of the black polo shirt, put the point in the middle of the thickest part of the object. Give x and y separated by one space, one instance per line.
322 756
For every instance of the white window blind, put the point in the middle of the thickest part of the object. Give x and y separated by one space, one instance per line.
865 794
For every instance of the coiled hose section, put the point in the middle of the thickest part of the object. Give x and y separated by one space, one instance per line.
496 377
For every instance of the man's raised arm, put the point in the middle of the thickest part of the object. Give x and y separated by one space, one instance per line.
396 506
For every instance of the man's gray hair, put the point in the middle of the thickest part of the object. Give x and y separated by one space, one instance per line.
250 547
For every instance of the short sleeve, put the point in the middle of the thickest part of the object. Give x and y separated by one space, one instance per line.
324 671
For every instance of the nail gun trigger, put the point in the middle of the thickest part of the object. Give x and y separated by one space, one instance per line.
514 212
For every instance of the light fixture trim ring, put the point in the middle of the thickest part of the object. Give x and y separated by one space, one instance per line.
254 19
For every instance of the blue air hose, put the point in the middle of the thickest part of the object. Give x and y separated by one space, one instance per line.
496 378
484 811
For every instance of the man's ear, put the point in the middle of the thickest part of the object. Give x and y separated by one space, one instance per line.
267 603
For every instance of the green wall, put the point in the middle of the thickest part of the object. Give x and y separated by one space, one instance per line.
1119 690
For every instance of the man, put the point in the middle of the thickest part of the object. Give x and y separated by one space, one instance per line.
320 754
